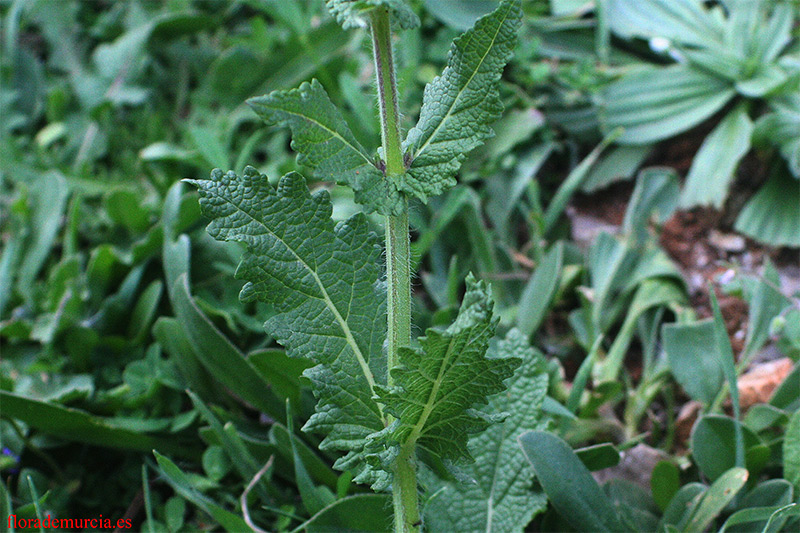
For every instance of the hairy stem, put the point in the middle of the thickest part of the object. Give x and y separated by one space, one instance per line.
398 260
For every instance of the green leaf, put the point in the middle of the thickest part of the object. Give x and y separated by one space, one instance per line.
354 13
325 143
500 499
599 456
239 455
716 498
322 280
687 347
365 513
49 198
459 14
766 303
573 182
569 485
219 356
438 384
714 165
684 21
619 163
652 292
681 507
714 445
771 216
791 451
459 105
782 127
539 291
787 395
664 483
722 343
655 196
769 516
282 372
653 104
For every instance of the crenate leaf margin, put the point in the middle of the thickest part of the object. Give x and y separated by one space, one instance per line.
459 105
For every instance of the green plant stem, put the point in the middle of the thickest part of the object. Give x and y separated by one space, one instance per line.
398 261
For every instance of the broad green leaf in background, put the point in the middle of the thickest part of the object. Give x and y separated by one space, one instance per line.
240 457
48 196
281 372
787 395
286 444
782 127
766 302
772 215
500 499
325 143
599 456
438 384
459 14
696 370
459 105
353 13
539 291
664 483
713 443
321 279
655 196
653 104
569 485
685 21
791 451
722 343
618 163
715 164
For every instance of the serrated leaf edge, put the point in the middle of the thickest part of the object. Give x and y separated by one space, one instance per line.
463 89
326 298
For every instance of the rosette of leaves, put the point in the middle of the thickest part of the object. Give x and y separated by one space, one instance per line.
730 55
383 400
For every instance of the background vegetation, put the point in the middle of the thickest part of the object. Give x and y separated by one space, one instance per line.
637 214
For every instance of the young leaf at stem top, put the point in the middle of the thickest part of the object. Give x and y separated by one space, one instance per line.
353 13
323 281
459 105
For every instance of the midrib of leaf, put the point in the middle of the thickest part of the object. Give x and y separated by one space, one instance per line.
326 128
328 302
461 91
